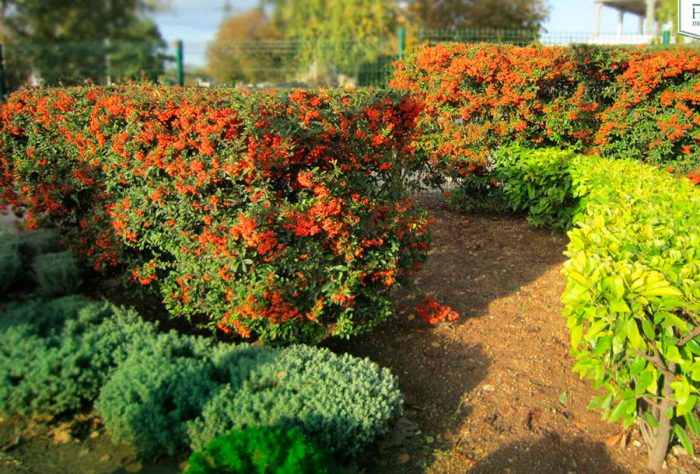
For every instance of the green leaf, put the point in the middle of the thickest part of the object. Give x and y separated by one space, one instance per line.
684 440
633 334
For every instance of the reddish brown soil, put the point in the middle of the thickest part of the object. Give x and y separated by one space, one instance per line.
492 392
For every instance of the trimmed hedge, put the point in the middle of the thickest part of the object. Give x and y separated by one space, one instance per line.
633 295
636 103
632 299
275 215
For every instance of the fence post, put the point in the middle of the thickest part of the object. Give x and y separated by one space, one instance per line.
180 68
3 91
666 37
402 41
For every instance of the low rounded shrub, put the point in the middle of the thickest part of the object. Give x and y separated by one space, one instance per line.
260 450
10 259
57 273
55 355
160 387
342 403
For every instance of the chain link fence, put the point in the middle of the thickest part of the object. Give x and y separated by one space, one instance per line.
282 63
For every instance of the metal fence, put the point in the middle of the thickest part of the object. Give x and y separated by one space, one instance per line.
260 63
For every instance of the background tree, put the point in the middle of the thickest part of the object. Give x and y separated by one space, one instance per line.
68 42
247 48
526 15
338 34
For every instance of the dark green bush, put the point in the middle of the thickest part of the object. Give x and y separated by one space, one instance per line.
57 273
10 259
262 451
341 402
39 242
539 182
56 354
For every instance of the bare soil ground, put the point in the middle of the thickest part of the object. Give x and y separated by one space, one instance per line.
492 392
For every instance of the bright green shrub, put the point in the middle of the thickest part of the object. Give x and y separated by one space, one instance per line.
340 402
57 273
633 295
163 384
10 259
260 450
274 215
56 354
538 182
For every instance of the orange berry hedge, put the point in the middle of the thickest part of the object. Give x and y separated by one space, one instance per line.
273 215
638 103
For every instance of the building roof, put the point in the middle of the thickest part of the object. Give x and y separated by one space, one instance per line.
638 7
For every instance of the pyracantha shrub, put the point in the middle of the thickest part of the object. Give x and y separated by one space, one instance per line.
620 102
656 113
340 402
433 312
260 450
275 215
57 273
56 354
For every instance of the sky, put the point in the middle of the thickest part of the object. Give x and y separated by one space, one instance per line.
195 21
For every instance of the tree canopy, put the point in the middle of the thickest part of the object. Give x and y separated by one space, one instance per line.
67 42
247 48
494 14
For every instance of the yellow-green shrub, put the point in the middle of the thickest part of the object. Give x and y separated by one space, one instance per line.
633 296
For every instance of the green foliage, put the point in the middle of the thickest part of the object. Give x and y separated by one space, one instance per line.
261 450
340 402
538 182
174 388
10 259
57 273
337 35
39 242
523 15
71 42
162 384
633 294
284 218
56 354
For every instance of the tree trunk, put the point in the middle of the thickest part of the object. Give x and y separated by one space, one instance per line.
657 455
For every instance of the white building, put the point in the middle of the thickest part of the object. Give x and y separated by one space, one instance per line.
644 10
